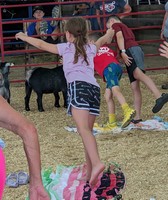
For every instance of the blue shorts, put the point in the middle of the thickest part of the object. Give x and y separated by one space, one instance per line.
112 75
84 96
138 61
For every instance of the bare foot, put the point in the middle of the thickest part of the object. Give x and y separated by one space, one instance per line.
96 171
84 178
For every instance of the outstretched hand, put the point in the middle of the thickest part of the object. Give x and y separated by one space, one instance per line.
20 36
38 193
164 49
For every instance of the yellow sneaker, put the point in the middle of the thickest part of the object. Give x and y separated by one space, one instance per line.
105 127
110 125
129 114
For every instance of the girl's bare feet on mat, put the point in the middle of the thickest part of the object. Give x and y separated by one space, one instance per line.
84 178
96 171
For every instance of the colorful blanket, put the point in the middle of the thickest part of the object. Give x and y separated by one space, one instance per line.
67 183
156 124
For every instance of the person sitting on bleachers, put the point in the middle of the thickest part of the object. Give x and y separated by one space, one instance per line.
44 27
110 8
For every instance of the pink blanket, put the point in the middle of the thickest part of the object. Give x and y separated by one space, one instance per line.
108 186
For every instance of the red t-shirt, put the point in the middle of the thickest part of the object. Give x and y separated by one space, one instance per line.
129 38
103 58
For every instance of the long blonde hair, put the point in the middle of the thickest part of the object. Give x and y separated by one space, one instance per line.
77 27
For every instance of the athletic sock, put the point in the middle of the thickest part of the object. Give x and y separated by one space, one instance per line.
112 118
125 107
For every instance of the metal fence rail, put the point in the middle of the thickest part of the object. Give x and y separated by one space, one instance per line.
3 38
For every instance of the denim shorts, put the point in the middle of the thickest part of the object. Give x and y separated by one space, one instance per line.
84 96
138 61
112 75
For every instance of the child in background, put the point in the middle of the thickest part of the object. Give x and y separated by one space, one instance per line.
108 68
110 8
133 58
44 27
83 89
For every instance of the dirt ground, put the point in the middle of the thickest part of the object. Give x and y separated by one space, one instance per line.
141 154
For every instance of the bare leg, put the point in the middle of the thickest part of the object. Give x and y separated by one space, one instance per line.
88 161
89 143
91 124
88 167
111 112
15 122
89 164
135 86
139 75
117 93
109 100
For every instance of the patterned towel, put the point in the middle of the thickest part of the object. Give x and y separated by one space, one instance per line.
66 183
156 124
74 130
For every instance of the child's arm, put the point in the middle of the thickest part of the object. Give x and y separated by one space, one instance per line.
40 44
120 40
105 38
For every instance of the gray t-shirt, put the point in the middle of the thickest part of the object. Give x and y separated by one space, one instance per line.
165 30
